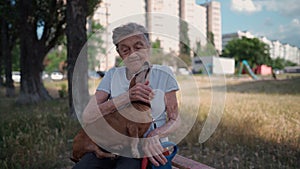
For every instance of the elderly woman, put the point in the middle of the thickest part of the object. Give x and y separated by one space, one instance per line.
133 45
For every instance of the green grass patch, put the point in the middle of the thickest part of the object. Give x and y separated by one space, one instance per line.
36 136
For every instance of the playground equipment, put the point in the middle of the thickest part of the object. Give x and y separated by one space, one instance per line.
251 73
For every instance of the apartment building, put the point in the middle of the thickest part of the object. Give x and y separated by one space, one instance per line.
214 22
108 15
195 16
277 49
163 23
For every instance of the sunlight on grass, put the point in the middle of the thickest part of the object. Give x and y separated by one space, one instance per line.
259 128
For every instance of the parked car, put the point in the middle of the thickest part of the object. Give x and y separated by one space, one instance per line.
45 75
16 76
183 71
56 75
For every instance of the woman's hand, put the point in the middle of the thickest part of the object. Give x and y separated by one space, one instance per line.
153 150
141 92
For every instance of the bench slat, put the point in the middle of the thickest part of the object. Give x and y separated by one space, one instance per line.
181 162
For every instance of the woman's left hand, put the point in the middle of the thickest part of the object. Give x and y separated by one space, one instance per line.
153 149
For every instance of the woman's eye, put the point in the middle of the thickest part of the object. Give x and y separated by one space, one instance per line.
124 51
139 46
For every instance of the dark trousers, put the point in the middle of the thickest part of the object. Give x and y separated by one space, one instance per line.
90 161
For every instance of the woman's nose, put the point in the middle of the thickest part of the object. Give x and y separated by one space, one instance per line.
132 51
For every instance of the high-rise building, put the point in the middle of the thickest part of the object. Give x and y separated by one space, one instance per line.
163 23
214 22
109 16
195 16
161 17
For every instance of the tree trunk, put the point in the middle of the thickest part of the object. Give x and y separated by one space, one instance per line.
32 55
76 38
1 57
6 53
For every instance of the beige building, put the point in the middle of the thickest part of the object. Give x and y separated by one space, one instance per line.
163 23
195 15
214 22
109 15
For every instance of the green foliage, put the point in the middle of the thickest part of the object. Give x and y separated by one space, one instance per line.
16 57
211 38
158 56
92 5
63 92
186 59
278 63
184 46
252 50
95 45
55 58
207 50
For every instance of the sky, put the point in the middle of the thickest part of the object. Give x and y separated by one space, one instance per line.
274 19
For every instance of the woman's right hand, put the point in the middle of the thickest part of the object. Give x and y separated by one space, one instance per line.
141 92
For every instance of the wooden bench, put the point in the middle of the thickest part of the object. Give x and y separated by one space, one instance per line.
180 162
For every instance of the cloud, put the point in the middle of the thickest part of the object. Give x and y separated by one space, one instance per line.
288 33
246 6
285 7
290 8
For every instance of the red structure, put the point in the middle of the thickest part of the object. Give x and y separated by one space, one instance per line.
263 70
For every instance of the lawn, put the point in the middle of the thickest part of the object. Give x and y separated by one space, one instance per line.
260 127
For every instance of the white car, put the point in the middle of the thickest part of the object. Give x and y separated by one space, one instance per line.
16 76
183 71
56 76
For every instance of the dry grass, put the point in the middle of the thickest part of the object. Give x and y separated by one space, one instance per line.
260 127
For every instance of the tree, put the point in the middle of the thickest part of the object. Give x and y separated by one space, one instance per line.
95 45
77 12
207 50
253 50
55 58
1 58
6 53
184 44
211 37
49 16
8 40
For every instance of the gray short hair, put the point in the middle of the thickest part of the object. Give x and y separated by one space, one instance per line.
130 28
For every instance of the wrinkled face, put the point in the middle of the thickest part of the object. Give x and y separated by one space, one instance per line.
134 51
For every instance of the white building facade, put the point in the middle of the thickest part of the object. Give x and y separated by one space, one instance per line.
277 49
162 21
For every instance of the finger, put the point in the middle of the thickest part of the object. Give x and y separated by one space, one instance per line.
140 86
157 154
160 159
147 83
153 161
